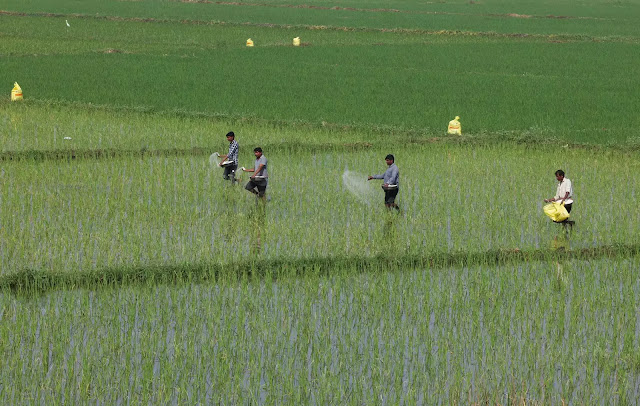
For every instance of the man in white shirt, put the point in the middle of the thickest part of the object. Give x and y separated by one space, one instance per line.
564 192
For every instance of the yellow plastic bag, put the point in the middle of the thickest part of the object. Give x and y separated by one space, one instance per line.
556 212
296 42
249 42
454 126
16 93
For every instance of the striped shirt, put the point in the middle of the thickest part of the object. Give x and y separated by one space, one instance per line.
233 151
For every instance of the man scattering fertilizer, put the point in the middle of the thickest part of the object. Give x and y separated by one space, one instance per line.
564 194
390 185
230 161
258 181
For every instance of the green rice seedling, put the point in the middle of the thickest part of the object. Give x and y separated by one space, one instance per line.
455 200
44 131
127 263
455 335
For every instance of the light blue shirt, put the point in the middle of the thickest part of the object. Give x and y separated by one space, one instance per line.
391 175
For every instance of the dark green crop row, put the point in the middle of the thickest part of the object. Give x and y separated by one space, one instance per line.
31 281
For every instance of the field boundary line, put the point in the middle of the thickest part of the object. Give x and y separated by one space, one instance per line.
110 153
295 147
35 281
389 10
415 31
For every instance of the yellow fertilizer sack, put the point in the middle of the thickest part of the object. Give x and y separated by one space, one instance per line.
556 212
16 93
454 126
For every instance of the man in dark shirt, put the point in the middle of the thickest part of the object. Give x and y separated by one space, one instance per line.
230 161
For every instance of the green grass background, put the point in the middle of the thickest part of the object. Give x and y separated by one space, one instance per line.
158 84
574 88
86 215
601 18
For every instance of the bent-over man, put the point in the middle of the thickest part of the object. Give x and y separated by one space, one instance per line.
564 193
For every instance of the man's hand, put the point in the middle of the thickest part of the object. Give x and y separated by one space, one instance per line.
385 185
370 177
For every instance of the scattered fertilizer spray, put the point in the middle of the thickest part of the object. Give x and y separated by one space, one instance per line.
214 159
357 184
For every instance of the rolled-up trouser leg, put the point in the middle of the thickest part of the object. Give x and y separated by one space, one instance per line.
251 186
230 173
260 185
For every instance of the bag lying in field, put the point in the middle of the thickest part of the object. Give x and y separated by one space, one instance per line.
454 126
556 212
16 93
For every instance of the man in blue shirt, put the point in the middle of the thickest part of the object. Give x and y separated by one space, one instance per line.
391 181
230 161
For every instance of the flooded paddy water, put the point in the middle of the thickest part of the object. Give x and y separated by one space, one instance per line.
393 334
87 214
418 336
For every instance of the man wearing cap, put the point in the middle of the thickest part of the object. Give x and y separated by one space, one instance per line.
230 161
390 185
258 181
564 193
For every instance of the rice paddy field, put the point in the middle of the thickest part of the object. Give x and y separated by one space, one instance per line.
476 334
132 273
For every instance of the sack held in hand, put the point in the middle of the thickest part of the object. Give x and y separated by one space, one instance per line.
556 212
